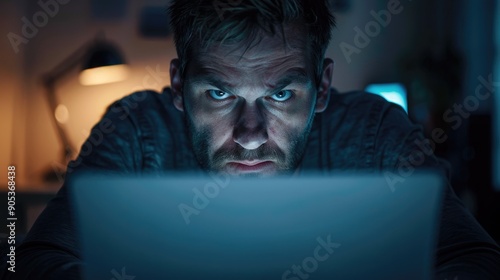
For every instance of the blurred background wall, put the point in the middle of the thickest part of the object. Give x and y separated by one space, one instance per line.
439 50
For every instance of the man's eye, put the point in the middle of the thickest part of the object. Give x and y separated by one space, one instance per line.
282 96
217 94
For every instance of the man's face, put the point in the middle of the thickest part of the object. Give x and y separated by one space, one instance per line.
249 112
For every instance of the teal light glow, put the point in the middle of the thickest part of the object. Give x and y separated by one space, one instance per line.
395 93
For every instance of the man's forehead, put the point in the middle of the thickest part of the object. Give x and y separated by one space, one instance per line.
267 54
218 63
268 71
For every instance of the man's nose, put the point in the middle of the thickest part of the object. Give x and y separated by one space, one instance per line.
250 131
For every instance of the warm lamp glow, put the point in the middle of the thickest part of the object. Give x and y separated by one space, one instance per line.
62 113
103 75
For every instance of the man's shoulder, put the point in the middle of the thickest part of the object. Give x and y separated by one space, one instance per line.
145 109
350 129
355 100
144 102
356 107
147 130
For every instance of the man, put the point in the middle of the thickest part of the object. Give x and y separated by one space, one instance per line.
250 95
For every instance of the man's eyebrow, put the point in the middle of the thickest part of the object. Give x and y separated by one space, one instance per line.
295 75
213 81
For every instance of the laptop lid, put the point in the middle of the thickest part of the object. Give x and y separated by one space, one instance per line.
311 227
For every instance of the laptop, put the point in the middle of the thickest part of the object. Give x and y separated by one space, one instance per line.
217 227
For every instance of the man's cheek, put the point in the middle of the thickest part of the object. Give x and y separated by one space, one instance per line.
218 134
286 126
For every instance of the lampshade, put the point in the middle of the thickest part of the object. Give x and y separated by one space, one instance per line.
103 64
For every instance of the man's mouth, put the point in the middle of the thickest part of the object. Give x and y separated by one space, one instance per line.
251 166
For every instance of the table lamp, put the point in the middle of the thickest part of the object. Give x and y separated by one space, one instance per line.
100 62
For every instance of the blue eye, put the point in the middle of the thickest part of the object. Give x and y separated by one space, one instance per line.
282 96
217 94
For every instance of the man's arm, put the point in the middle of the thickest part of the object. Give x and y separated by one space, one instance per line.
465 250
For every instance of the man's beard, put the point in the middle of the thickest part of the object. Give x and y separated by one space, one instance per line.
285 164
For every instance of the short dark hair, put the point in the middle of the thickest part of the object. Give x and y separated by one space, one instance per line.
231 21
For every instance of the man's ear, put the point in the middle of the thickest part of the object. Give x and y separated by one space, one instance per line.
323 95
176 84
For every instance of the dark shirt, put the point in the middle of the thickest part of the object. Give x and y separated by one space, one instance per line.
144 133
